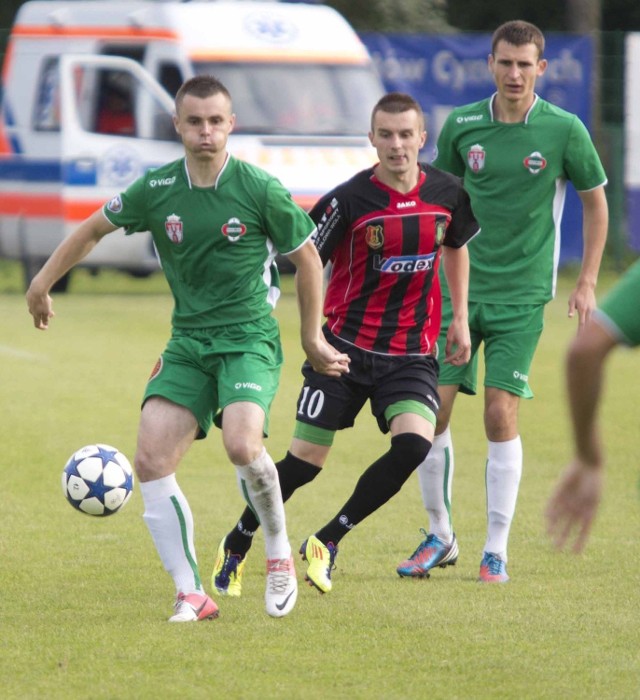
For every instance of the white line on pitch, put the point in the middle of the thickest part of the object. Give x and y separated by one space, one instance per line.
21 354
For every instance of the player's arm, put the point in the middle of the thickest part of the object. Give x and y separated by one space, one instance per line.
595 225
69 253
576 497
324 358
456 269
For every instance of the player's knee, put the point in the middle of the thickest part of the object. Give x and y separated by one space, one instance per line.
150 465
501 416
242 449
408 450
294 472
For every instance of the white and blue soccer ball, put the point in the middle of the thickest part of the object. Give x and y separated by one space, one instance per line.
98 480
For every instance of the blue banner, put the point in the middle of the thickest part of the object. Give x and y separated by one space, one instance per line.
445 71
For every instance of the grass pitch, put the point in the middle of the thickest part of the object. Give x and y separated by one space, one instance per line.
85 600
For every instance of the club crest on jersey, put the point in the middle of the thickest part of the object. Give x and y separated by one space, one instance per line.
535 163
174 229
374 237
234 229
441 229
475 157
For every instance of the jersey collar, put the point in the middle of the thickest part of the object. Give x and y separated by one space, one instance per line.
536 97
218 178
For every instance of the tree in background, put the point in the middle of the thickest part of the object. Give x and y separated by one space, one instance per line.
396 16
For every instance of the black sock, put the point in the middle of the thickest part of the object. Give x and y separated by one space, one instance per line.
380 482
292 473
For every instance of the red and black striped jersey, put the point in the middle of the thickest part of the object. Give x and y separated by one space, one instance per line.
383 293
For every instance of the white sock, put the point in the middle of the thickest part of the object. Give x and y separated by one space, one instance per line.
503 472
260 488
435 475
170 522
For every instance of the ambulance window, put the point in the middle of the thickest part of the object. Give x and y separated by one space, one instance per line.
47 105
114 114
136 53
170 77
302 99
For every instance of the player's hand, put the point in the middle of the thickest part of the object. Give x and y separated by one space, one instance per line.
325 359
573 505
582 300
458 345
40 307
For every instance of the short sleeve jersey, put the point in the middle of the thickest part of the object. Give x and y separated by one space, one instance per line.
216 245
619 312
384 294
516 177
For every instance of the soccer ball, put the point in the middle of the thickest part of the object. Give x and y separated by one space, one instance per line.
98 480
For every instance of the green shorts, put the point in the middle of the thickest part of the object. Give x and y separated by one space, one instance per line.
510 333
208 369
619 310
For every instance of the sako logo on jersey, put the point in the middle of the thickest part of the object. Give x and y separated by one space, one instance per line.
374 237
174 228
475 157
404 263
535 163
234 229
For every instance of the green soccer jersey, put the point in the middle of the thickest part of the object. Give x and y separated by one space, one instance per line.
516 177
620 311
216 244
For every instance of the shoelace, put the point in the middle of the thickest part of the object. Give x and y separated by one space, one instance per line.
278 575
229 567
494 564
427 542
333 551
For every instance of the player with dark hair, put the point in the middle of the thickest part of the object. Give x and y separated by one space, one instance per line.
216 223
515 153
574 503
384 232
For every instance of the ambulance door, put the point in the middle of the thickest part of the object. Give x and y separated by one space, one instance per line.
116 123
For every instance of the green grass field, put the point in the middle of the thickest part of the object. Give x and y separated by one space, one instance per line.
85 600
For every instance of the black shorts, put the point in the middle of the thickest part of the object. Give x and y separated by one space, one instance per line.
332 403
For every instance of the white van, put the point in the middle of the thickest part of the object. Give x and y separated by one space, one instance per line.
88 97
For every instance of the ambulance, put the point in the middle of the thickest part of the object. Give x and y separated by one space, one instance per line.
87 104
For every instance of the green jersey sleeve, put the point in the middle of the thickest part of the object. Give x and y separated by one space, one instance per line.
129 209
582 163
447 156
287 224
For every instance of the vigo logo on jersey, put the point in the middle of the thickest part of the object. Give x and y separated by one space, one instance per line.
174 229
162 182
374 237
234 229
397 264
475 157
535 163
